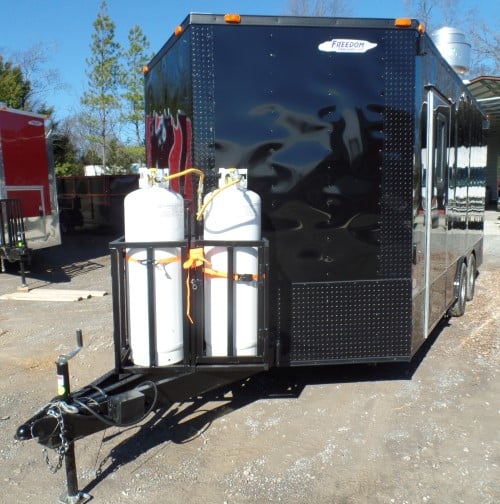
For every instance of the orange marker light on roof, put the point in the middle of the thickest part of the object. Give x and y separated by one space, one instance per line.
421 29
402 22
232 18
145 69
178 30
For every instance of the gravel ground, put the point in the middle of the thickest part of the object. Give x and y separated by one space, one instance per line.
420 433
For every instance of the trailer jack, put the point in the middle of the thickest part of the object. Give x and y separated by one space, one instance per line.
66 450
66 418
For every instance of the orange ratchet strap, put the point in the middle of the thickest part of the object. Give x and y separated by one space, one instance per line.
196 258
237 277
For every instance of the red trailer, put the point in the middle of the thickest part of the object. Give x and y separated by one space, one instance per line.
29 215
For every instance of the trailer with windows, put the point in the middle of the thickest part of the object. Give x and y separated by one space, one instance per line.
339 220
29 216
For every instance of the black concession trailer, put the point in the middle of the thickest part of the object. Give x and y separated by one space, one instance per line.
368 154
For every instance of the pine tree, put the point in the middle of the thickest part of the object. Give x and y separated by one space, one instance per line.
101 100
133 81
14 89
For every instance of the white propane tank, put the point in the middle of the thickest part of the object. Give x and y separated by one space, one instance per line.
155 214
233 214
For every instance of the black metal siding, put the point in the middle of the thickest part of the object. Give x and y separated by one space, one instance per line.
328 141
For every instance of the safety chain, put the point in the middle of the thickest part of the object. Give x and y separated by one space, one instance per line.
55 411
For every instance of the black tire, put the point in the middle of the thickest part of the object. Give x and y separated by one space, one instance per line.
458 309
471 277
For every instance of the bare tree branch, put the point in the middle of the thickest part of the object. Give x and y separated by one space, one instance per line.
320 8
43 80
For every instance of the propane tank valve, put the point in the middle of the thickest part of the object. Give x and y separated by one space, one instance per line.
228 175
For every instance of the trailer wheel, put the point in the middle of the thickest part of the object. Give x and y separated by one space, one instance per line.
458 309
471 277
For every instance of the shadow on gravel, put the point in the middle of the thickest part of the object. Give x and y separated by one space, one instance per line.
182 423
75 256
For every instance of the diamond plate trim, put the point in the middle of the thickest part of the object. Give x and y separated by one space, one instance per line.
397 182
351 320
203 75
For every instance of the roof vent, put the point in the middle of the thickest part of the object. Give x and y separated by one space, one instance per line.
455 50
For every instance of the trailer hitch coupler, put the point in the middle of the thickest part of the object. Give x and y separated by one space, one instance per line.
23 433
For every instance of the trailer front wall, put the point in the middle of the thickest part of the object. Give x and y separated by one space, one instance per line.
327 138
24 160
27 174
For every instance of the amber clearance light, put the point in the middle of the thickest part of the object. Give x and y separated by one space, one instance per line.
232 18
402 22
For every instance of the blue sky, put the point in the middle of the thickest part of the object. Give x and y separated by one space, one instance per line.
65 28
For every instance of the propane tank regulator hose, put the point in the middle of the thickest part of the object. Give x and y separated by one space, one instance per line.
188 171
202 209
201 206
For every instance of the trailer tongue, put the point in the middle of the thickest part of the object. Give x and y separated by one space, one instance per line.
351 224
128 394
120 400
